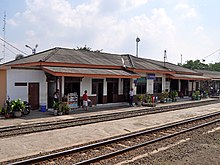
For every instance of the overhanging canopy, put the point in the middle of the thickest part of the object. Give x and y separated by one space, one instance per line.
89 72
188 77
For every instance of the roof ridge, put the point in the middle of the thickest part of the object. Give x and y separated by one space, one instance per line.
51 54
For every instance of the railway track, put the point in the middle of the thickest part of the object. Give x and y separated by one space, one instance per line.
52 125
111 151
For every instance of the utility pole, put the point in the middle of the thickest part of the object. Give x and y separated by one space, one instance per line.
165 56
3 29
181 59
137 40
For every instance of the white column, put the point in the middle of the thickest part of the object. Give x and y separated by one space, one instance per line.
179 85
132 85
62 86
120 86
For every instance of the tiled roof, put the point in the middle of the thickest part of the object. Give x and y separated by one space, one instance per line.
89 72
72 56
173 67
211 74
188 77
143 63
33 58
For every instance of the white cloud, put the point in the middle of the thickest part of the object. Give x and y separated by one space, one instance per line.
116 6
186 10
109 25
199 30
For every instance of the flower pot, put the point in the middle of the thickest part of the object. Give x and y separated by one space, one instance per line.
59 113
139 103
8 115
55 112
17 113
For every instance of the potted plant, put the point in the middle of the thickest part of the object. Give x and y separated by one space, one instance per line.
193 96
164 97
17 106
174 95
66 109
139 100
60 109
55 107
198 96
149 100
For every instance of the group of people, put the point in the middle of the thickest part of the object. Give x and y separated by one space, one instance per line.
56 97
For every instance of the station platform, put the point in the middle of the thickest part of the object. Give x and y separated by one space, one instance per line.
30 144
36 116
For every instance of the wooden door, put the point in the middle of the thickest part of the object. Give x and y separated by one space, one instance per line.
33 95
100 93
109 92
126 88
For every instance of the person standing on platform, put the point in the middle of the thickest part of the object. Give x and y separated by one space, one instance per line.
56 96
131 93
85 100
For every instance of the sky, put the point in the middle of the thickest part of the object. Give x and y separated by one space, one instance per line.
186 29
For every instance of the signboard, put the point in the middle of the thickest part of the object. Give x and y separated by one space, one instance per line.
141 80
151 76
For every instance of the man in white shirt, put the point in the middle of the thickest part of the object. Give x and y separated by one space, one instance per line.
131 93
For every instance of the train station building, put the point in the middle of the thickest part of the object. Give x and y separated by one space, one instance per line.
107 77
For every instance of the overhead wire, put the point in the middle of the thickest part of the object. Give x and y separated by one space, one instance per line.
8 49
212 53
13 46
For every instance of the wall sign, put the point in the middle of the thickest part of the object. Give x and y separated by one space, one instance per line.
151 76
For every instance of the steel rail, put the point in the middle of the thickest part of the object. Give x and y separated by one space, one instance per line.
74 150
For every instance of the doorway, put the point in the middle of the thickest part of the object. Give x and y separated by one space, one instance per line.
97 88
72 87
174 85
109 92
112 90
100 93
33 95
184 87
51 86
126 88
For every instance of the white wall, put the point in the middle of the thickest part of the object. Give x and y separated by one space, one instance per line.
150 83
26 76
190 85
150 86
86 84
120 86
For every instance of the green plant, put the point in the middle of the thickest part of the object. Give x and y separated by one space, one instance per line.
56 105
197 93
173 94
66 108
17 105
140 98
148 99
165 94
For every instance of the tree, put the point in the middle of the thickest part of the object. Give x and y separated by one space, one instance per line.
196 65
84 48
87 49
19 56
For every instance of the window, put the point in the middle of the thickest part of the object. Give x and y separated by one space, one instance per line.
158 85
141 85
21 84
